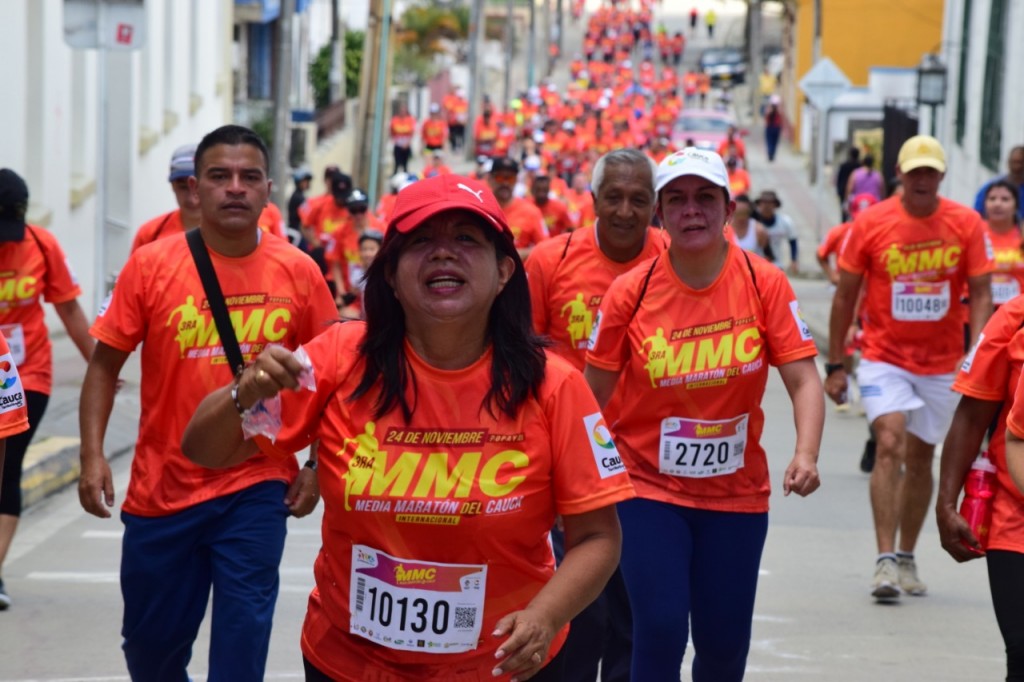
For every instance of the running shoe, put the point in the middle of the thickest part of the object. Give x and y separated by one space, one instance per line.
885 587
5 601
909 582
867 459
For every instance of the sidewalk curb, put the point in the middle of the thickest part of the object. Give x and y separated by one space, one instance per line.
56 471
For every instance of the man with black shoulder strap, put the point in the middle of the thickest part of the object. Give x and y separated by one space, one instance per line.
190 530
186 216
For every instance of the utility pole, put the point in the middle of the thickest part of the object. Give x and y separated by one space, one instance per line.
509 50
756 55
337 54
819 116
282 102
476 34
532 49
548 36
367 95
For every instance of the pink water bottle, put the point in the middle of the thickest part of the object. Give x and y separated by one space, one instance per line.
979 488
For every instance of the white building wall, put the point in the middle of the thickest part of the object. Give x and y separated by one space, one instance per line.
172 92
966 173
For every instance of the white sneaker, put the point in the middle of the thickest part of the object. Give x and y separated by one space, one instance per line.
885 586
909 582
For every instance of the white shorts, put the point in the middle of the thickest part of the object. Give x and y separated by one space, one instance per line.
927 400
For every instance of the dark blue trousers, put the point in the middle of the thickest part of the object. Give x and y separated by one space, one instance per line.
169 564
690 570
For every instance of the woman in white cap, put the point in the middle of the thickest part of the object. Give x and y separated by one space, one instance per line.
691 335
449 440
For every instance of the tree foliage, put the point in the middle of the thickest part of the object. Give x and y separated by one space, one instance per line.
424 25
320 69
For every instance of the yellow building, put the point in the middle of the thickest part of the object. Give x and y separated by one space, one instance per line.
858 35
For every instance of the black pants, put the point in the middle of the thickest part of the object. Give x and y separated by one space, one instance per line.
402 155
457 136
1004 579
10 489
552 672
601 634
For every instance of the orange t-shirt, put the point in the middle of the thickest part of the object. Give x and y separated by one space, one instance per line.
833 241
457 485
434 132
694 365
311 208
402 130
741 147
271 221
526 222
13 409
1008 275
739 182
568 277
992 372
386 206
581 208
915 269
275 295
333 226
32 271
166 225
556 216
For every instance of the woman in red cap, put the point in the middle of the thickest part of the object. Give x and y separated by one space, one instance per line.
449 440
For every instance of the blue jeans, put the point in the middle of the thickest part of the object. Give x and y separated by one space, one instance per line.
169 563
690 566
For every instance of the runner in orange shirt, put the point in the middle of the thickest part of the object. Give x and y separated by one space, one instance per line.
581 202
914 254
436 166
457 111
434 130
344 258
326 224
485 132
1000 202
33 269
403 127
685 342
13 418
426 575
187 213
386 204
990 384
555 213
733 145
524 219
271 221
188 530
739 178
310 205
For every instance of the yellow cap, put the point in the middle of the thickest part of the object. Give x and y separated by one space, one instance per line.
921 151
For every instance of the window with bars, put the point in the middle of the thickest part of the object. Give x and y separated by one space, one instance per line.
992 95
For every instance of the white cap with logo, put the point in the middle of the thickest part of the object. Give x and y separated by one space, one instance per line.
691 161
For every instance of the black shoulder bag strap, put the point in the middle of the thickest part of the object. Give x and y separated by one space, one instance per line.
216 298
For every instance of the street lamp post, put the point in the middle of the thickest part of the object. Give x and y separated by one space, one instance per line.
931 85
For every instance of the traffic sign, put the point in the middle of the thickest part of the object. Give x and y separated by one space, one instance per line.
824 83
105 24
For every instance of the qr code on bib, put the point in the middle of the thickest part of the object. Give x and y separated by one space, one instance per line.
465 617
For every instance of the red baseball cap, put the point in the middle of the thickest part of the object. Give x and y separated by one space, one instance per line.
861 201
422 200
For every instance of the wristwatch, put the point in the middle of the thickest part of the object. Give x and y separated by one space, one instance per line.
310 464
833 367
